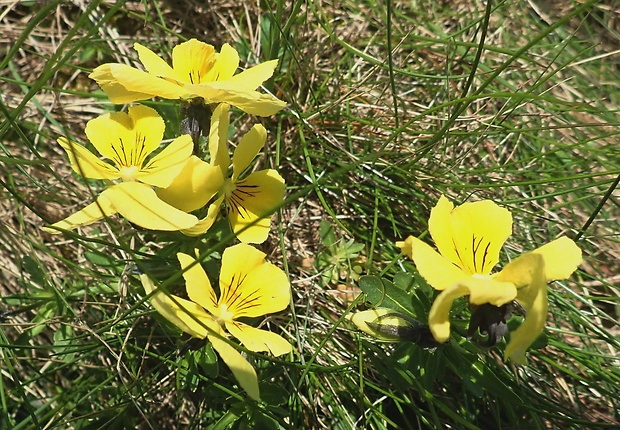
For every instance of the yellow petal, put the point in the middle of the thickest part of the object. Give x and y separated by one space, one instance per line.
116 92
471 235
205 223
86 163
251 286
239 366
252 202
88 215
218 136
193 61
197 183
139 204
533 298
249 101
562 257
248 148
197 283
439 272
127 85
225 66
480 290
186 315
163 168
258 340
127 138
155 65
253 77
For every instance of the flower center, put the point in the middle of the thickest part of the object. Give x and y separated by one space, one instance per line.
229 187
223 315
128 173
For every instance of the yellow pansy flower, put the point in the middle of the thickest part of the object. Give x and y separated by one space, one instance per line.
249 199
197 72
127 140
469 239
249 286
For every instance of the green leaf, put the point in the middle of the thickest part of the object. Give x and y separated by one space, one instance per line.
64 340
381 292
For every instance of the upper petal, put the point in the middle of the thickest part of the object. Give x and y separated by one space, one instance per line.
86 163
191 189
248 148
139 204
197 283
471 235
225 65
438 271
154 64
258 340
127 138
193 61
186 315
251 286
562 257
163 168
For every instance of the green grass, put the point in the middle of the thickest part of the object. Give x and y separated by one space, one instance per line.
390 105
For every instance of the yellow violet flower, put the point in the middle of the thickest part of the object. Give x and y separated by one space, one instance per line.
197 72
127 140
250 199
249 286
469 239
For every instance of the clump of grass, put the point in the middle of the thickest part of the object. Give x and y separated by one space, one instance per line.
391 104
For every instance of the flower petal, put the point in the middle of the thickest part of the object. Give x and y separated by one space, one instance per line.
193 61
249 101
253 77
480 291
438 271
251 286
139 204
186 315
86 163
154 64
127 138
163 168
225 66
258 340
197 283
562 257
471 235
197 183
528 273
93 212
124 84
205 223
252 202
248 148
239 366
218 136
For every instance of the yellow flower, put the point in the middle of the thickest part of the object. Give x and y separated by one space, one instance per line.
248 287
197 72
250 199
469 239
127 139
